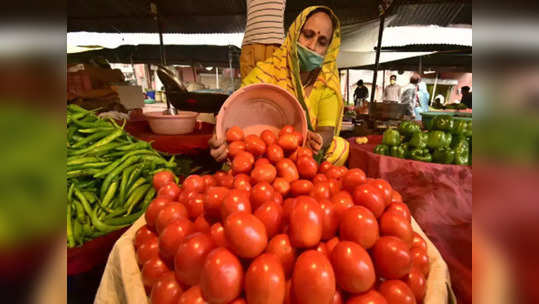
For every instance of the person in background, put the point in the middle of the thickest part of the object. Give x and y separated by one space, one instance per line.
409 94
361 94
264 32
466 96
392 92
423 97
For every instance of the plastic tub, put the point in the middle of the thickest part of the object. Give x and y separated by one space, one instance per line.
426 118
258 107
181 123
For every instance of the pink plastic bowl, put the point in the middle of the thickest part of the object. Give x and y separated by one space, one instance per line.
181 123
258 107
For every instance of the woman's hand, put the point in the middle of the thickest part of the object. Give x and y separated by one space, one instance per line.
314 141
218 148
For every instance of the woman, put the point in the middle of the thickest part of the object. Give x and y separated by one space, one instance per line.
305 65
409 94
423 97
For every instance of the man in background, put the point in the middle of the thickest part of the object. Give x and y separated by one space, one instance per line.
392 92
466 96
361 94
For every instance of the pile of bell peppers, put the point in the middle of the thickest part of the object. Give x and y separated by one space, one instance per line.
449 141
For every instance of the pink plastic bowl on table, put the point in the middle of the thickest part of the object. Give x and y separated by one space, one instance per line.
258 107
181 123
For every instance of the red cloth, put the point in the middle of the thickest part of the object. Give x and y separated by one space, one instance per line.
440 199
189 144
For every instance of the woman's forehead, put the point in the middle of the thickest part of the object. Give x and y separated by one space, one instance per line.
320 23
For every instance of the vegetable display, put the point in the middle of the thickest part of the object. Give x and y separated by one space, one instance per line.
109 176
280 228
447 141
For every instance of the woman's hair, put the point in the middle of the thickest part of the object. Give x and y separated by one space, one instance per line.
327 12
415 79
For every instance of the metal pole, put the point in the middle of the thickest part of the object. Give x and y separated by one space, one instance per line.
377 60
347 86
434 88
217 77
155 12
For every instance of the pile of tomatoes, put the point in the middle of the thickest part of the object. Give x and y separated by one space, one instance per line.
279 228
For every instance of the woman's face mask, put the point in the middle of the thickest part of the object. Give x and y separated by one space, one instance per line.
308 60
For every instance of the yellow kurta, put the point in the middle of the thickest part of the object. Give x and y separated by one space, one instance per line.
324 106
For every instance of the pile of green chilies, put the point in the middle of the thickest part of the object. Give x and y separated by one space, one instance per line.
109 176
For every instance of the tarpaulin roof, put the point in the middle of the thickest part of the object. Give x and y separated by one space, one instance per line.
207 55
229 16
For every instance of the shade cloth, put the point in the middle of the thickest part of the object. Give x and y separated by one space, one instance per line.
440 199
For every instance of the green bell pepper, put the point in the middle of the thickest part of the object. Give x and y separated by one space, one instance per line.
421 155
419 140
442 123
391 137
408 128
459 127
436 139
468 132
462 153
447 140
399 151
443 155
457 140
382 149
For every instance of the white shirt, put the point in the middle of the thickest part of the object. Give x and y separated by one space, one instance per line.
265 22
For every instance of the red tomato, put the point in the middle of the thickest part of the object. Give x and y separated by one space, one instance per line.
319 178
321 191
190 257
322 248
275 153
201 225
238 301
396 291
288 205
209 181
384 187
234 133
289 142
265 280
186 196
213 200
287 129
289 293
353 178
152 270
359 225
264 173
393 223
287 170
268 137
262 161
166 290
195 206
224 179
313 280
337 298
242 182
143 233
194 183
370 197
305 227
370 297
335 172
331 245
280 246
324 167
330 221
242 162
162 178
420 259
192 295
245 234
261 193
299 137
171 237
293 156
419 242
301 187
236 147
255 145
236 200
147 250
169 214
353 267
217 234
278 198
153 210
392 257
281 185
301 151
396 197
417 283
271 215
170 191
221 279
334 186
342 200
307 167
402 209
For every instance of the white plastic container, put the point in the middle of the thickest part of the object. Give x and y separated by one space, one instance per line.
181 123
